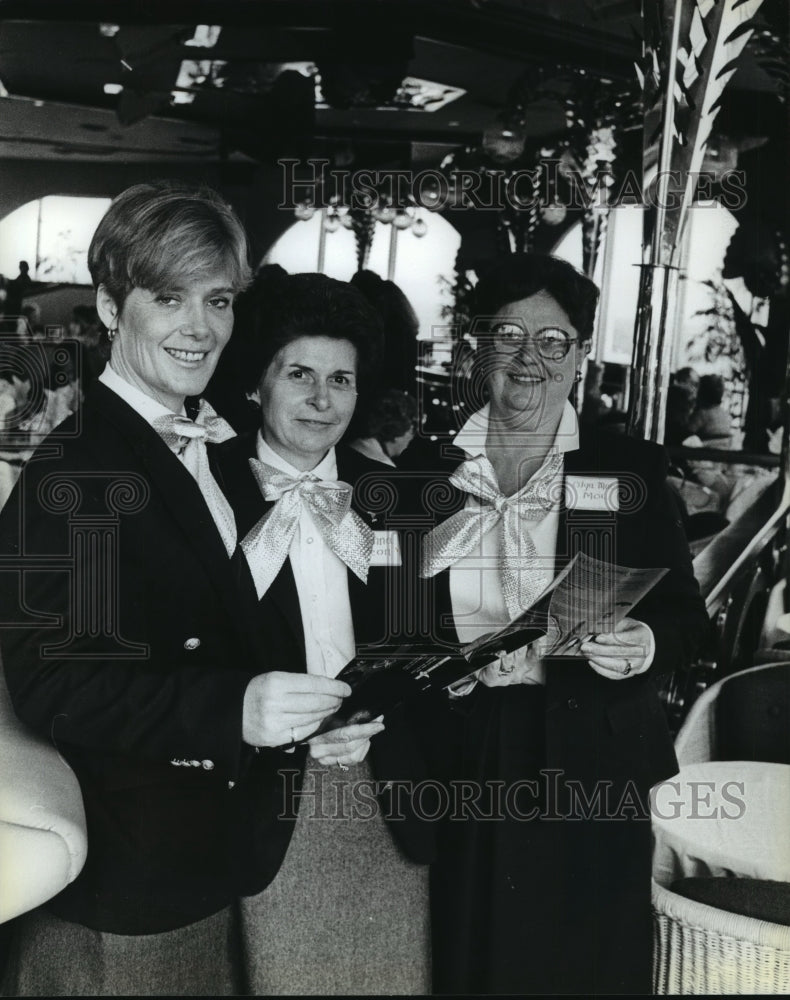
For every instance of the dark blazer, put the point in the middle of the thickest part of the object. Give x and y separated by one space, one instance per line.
598 728
125 641
378 612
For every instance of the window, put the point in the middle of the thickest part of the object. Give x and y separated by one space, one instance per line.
419 261
52 234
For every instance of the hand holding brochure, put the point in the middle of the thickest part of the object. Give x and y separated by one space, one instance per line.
589 596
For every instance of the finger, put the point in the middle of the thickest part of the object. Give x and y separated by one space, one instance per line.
358 756
302 703
298 733
317 684
295 720
338 751
618 664
622 649
610 675
349 734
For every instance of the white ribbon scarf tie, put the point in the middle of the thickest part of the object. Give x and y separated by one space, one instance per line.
266 546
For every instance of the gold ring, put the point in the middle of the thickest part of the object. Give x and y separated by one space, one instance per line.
628 667
343 767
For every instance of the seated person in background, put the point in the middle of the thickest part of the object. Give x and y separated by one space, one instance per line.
85 327
594 406
689 377
28 322
680 407
710 421
387 427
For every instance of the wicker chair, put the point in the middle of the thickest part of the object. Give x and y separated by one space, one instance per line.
700 738
701 949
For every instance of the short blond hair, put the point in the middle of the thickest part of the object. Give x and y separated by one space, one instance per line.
156 235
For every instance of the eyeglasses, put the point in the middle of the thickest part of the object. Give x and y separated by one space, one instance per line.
509 336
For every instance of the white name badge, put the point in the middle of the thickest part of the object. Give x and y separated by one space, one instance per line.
386 549
592 493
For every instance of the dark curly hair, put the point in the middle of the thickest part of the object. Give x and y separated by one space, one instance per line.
279 308
512 277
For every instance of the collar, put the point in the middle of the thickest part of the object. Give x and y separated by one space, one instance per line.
326 468
472 436
371 448
148 407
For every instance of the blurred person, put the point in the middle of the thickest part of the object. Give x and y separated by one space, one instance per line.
94 351
17 289
401 326
710 421
387 427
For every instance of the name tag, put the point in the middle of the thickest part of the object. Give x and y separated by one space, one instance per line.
592 493
386 549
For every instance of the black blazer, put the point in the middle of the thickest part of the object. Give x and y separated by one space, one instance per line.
599 729
124 641
379 615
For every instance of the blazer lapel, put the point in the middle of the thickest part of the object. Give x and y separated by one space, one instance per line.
241 488
177 489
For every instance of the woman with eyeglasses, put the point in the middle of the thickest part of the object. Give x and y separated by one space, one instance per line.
542 883
344 900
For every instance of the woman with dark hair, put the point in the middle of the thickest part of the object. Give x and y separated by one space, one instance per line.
126 640
400 326
542 883
387 427
346 908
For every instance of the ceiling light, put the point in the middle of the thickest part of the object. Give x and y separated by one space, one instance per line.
113 88
200 73
181 97
109 30
205 36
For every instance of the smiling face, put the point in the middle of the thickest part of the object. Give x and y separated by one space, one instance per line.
527 389
168 343
308 395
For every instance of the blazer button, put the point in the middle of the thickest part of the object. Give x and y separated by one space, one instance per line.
208 765
192 643
231 784
572 703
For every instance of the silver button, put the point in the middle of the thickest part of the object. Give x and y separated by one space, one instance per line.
208 765
231 784
192 643
310 540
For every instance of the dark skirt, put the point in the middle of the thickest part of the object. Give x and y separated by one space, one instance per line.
535 904
347 912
